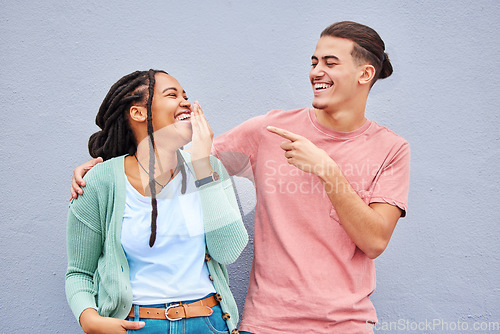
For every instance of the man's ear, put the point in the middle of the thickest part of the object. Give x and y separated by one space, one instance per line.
138 114
367 74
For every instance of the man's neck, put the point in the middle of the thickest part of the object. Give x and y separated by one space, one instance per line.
341 120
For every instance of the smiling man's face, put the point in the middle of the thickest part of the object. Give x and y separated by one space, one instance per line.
334 74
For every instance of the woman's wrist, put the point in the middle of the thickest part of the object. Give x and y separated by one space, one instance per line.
202 168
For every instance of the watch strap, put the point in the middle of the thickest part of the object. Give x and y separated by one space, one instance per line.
201 182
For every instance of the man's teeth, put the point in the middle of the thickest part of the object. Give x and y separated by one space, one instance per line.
322 86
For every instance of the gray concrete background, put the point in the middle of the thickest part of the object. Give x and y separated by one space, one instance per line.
240 59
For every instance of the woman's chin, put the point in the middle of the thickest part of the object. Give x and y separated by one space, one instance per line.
185 137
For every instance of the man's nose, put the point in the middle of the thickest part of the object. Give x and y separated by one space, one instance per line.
317 71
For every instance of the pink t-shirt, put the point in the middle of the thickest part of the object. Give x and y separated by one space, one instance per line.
307 274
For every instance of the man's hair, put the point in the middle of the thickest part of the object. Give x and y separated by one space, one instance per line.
368 46
116 137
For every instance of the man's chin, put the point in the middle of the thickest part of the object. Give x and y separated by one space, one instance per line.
318 105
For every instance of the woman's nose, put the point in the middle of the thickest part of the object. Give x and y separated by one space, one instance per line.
185 103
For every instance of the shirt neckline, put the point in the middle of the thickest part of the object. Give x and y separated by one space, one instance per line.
337 134
169 188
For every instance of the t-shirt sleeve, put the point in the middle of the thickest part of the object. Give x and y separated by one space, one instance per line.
393 182
237 148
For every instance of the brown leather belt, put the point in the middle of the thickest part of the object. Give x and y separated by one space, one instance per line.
178 311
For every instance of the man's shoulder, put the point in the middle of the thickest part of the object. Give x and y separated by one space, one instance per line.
282 114
386 133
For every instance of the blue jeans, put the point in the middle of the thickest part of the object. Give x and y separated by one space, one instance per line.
211 324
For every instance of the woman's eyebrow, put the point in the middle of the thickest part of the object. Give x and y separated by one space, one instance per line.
173 88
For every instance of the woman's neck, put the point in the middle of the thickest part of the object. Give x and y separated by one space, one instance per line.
137 169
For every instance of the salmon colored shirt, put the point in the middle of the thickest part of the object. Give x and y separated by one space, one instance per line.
307 274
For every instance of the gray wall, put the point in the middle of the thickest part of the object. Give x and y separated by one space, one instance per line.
240 59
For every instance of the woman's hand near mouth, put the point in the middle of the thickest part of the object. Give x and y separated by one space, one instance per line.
201 143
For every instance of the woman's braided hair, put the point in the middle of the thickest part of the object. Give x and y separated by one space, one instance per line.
116 137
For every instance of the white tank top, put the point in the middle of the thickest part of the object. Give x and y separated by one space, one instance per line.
174 269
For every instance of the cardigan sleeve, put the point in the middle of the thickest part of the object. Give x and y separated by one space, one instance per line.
84 248
225 233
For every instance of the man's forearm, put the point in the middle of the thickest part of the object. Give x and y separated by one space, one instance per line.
367 228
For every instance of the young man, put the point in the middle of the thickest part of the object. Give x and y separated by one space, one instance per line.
331 186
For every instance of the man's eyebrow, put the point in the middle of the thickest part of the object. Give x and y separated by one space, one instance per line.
325 57
331 57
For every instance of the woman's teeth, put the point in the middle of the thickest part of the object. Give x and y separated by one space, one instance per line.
183 117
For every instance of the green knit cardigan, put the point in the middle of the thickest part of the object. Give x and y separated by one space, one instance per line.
98 272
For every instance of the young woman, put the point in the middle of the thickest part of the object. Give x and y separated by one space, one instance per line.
148 241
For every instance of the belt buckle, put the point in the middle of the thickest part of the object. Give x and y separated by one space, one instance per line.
168 308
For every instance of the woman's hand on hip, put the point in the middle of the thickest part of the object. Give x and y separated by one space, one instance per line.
93 323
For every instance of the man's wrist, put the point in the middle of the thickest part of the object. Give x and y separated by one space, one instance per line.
328 171
336 184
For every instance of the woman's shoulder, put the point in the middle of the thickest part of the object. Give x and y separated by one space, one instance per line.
104 172
99 180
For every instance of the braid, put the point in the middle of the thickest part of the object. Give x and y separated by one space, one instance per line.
152 159
180 161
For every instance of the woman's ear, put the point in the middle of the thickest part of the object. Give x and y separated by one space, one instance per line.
138 114
367 74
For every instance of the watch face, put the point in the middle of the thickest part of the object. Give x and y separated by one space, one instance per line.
215 176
